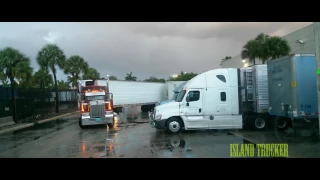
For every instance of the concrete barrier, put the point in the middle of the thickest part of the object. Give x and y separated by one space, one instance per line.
6 121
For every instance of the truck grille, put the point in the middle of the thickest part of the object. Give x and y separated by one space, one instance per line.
97 110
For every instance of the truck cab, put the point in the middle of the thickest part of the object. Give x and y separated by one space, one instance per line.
96 105
210 100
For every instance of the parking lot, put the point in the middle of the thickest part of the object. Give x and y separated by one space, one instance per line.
132 137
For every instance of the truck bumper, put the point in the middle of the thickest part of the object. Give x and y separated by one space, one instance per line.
87 120
158 124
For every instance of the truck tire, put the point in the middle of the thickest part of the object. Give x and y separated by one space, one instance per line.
80 124
282 124
259 123
145 108
173 126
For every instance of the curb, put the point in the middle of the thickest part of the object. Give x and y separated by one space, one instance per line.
17 128
34 123
54 118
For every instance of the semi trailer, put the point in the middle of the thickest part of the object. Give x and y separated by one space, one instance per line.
282 92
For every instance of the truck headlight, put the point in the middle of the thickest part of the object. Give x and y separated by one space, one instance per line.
158 117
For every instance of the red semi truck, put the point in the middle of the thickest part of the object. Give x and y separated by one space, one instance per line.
95 104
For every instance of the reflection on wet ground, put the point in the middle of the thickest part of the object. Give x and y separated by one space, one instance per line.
134 138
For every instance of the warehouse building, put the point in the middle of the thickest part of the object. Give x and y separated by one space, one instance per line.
300 41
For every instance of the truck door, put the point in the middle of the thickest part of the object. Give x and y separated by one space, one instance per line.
221 117
192 110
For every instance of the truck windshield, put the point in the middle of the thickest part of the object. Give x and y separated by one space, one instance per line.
175 95
181 95
93 98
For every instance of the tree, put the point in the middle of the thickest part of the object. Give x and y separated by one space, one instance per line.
74 66
91 73
26 83
250 51
50 57
62 85
42 79
154 79
265 47
14 65
183 76
276 47
129 77
113 78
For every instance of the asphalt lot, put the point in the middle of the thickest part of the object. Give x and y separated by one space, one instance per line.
132 137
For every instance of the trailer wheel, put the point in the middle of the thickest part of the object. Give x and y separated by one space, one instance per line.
173 126
259 123
282 124
80 124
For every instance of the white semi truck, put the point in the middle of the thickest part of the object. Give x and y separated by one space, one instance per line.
282 92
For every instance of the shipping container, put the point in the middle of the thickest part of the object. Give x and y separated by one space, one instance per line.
293 86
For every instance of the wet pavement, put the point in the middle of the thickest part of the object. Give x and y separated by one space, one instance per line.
132 137
302 145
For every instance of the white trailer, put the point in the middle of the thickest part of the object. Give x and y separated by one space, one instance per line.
146 94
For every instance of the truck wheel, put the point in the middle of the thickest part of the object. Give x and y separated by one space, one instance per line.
144 108
80 124
174 126
282 124
259 123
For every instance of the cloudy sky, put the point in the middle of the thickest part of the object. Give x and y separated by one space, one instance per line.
158 49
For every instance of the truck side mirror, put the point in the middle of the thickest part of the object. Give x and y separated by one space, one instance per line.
188 98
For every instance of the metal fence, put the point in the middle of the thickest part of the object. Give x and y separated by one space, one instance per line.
30 102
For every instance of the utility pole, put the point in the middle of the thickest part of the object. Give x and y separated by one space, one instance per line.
316 30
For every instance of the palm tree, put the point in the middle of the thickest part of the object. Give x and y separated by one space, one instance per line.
91 73
265 47
49 57
250 51
276 47
129 77
262 52
74 66
14 65
42 79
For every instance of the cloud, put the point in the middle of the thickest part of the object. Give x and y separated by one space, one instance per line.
145 49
